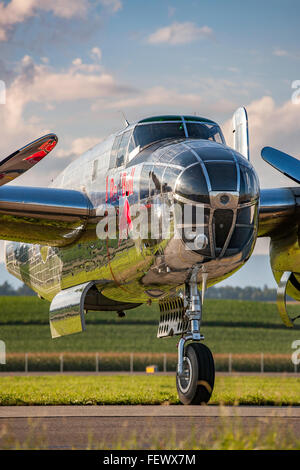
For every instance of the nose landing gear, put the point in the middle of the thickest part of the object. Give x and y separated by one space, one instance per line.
195 370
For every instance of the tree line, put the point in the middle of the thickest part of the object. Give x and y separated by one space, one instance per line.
7 289
242 293
227 292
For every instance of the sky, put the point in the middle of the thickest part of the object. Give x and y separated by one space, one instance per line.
73 67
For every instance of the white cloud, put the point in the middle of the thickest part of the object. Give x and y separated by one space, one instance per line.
77 61
18 11
78 146
280 52
163 100
65 8
112 5
180 33
41 84
79 66
96 54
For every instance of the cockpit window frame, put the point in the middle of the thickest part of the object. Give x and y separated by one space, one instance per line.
134 145
184 122
114 155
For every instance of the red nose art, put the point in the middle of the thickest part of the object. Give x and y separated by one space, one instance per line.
36 157
44 149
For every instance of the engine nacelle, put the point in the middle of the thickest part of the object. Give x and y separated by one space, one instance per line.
285 263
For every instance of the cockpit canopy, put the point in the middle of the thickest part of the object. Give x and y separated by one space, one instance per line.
166 127
158 128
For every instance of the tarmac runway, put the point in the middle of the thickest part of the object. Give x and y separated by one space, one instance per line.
81 427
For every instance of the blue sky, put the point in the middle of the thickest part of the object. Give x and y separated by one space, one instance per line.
244 36
72 66
206 57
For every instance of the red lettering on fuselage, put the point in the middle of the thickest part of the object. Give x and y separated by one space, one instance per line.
124 188
113 190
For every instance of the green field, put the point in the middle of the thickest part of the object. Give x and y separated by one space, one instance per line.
142 390
228 326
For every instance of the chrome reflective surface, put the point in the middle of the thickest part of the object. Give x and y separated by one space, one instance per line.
285 256
186 375
281 299
276 208
180 352
24 159
279 219
172 319
283 162
240 132
55 217
67 310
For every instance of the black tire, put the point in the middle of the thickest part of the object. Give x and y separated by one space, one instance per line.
195 388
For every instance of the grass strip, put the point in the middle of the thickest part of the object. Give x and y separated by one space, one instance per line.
142 390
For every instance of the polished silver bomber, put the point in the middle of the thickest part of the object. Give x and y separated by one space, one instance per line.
112 233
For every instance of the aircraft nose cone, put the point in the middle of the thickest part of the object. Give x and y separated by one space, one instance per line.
212 169
220 181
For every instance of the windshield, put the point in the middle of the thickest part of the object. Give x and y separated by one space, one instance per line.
198 130
145 134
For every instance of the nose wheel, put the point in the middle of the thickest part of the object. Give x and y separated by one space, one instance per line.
196 381
195 376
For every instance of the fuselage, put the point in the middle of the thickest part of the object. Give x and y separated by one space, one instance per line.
190 167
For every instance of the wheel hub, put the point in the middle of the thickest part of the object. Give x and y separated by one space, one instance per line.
185 378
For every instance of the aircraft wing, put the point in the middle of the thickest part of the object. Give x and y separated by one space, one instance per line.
279 210
45 216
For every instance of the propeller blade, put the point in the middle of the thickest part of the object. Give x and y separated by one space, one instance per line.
283 162
25 158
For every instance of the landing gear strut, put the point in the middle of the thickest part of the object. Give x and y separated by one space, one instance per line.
195 371
182 316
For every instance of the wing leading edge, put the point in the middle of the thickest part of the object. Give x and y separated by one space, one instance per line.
46 216
278 211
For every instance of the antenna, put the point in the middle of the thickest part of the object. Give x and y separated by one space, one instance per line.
126 122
